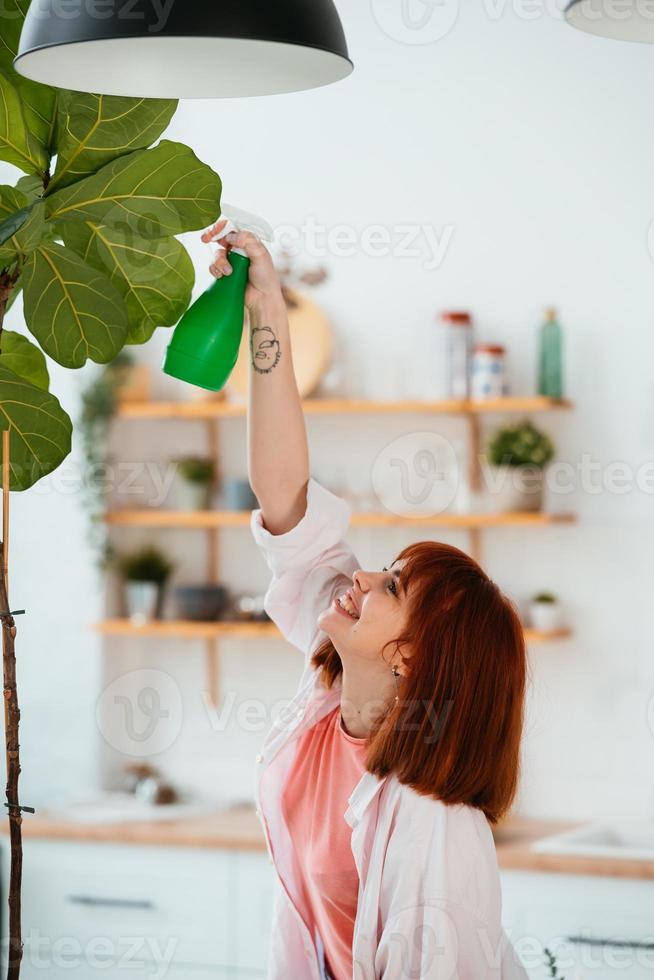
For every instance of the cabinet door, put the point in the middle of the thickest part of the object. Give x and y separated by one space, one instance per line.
596 926
255 882
86 906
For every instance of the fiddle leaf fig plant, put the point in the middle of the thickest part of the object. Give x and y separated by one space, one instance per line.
95 247
88 237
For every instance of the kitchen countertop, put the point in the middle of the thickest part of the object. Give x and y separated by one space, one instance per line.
235 829
239 829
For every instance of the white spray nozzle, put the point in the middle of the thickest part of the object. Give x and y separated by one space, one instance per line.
239 220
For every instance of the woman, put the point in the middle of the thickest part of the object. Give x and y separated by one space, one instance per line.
377 787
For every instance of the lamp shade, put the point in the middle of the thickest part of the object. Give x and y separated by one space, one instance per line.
183 48
622 20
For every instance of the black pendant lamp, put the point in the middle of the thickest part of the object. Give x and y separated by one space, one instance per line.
621 20
179 49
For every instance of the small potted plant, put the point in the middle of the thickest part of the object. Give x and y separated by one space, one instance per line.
145 573
197 475
545 612
519 454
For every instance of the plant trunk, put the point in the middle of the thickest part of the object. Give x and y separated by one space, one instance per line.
12 719
12 711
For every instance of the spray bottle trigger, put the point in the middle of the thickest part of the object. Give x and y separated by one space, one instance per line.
214 245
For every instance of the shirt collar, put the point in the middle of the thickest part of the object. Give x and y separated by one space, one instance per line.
364 793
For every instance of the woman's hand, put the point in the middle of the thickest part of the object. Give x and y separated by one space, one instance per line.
263 281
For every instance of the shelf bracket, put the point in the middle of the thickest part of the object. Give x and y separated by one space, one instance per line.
213 574
213 671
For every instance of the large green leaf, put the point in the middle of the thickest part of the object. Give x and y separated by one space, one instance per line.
96 129
162 191
17 144
31 186
14 210
39 430
23 358
15 293
39 101
14 213
155 278
72 309
40 111
31 233
12 16
22 225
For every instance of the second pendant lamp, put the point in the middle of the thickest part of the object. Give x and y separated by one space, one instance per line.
184 48
620 20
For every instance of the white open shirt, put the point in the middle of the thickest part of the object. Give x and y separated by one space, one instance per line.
429 902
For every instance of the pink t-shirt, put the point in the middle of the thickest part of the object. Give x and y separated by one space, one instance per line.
328 765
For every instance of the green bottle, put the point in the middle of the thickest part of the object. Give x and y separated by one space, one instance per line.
550 357
205 343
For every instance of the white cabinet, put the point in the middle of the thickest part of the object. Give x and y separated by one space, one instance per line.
599 928
149 913
254 896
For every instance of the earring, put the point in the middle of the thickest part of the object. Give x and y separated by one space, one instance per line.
395 675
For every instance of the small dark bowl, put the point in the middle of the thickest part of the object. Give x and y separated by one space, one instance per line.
201 602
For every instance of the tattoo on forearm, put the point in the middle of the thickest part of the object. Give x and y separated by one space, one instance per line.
264 349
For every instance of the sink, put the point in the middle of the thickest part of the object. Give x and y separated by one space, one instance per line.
118 807
633 841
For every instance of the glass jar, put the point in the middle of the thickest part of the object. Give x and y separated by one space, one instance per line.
488 372
450 361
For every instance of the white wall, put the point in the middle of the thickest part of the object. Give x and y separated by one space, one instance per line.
532 144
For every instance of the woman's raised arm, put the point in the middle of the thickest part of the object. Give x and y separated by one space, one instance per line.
278 455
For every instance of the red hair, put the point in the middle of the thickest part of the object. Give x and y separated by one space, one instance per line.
455 732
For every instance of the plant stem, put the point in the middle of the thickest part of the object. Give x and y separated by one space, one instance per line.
12 719
12 711
7 282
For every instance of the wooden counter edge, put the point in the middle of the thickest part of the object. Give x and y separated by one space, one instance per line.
235 829
239 829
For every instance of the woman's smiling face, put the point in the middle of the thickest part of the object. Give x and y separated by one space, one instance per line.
363 619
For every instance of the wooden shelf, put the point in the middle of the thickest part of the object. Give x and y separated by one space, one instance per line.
194 630
206 519
188 629
207 409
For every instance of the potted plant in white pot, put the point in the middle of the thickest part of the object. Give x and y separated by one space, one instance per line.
196 481
145 573
545 612
518 455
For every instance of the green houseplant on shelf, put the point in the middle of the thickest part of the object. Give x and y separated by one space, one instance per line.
88 236
545 612
196 479
518 455
145 573
99 404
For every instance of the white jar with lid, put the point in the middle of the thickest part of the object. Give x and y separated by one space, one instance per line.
488 372
449 364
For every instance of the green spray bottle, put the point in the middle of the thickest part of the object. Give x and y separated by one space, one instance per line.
206 341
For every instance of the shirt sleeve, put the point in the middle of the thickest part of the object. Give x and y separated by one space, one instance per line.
309 564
